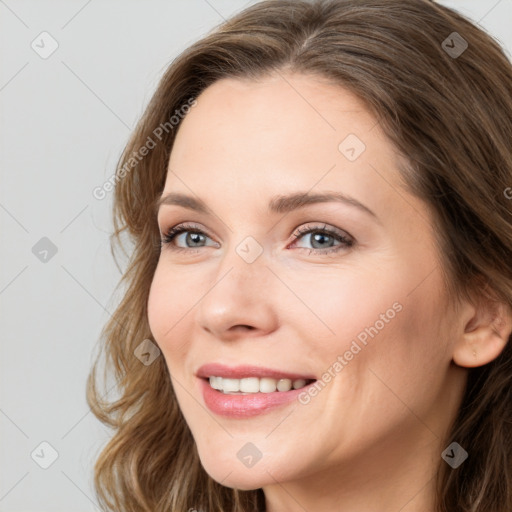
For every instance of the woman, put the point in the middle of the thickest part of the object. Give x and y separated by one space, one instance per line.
260 369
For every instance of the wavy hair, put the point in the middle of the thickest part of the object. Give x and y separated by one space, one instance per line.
449 115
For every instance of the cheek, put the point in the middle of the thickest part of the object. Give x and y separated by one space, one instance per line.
406 346
170 299
344 305
378 320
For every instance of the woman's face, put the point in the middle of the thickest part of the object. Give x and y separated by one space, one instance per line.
347 292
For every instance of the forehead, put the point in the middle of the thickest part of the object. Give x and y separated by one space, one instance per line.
283 118
281 133
296 107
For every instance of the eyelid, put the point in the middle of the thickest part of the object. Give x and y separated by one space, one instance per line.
346 239
326 227
180 228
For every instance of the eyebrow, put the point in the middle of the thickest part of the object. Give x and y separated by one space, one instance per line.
278 204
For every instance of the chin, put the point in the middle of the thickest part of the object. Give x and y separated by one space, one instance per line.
244 480
232 473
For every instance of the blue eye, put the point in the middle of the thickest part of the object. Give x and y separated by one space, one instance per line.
193 236
317 235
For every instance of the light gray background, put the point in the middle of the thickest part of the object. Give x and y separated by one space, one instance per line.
64 121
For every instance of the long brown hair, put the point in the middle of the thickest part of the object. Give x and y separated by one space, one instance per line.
448 110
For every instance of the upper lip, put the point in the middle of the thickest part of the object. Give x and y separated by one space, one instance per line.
244 371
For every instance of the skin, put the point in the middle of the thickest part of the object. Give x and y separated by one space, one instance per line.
372 437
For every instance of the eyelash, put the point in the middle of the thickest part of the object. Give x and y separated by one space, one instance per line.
173 232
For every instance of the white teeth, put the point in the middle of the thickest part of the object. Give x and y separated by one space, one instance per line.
285 384
267 385
300 383
249 385
255 384
230 385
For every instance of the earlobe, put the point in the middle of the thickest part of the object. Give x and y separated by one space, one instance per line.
485 335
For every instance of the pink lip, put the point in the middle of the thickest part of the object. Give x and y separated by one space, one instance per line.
243 371
246 406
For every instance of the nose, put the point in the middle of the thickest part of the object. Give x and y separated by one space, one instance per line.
240 300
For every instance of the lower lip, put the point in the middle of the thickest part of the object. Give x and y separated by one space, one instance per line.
245 406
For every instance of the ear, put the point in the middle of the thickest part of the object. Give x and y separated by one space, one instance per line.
486 328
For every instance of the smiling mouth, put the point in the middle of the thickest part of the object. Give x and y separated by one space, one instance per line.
254 385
